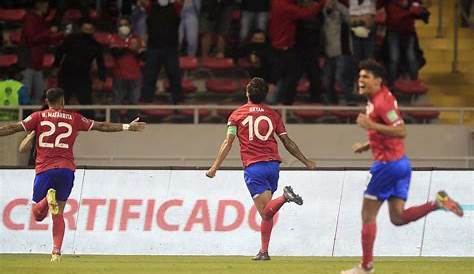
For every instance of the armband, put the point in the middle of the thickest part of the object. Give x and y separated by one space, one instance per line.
232 130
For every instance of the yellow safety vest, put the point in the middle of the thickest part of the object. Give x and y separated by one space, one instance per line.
9 97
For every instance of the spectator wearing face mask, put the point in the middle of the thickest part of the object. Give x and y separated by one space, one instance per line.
75 58
126 48
162 49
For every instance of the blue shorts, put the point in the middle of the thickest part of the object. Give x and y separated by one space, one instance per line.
389 179
262 176
60 179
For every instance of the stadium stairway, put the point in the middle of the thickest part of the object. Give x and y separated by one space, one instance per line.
447 89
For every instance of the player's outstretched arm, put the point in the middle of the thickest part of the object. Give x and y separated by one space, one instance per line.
294 150
135 125
394 131
27 142
359 147
10 129
222 154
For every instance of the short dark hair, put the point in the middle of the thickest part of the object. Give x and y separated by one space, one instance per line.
54 95
257 89
373 67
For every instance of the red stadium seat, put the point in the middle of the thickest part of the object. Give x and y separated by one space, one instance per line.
48 61
72 15
12 15
186 84
380 17
15 37
218 63
188 63
245 63
159 113
303 86
8 60
52 82
422 116
222 86
309 114
348 116
190 112
410 87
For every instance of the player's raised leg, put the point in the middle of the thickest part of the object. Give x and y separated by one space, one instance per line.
40 190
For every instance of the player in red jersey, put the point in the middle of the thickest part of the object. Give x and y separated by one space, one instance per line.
391 170
255 124
57 130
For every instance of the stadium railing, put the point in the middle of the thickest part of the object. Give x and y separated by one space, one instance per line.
462 112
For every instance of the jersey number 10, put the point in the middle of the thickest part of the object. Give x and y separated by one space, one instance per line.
253 127
52 129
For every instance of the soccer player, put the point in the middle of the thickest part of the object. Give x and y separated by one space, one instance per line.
255 124
57 130
391 170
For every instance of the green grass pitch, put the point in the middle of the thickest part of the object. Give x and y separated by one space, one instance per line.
72 264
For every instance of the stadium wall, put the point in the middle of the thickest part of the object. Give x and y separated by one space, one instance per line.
182 212
196 145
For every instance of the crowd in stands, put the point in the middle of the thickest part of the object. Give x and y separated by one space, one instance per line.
307 50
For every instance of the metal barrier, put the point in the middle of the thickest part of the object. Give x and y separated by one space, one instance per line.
284 110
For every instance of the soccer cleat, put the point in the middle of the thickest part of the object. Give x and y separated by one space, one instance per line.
290 196
261 256
445 202
56 258
52 203
358 269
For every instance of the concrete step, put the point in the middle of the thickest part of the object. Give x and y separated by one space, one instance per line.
464 44
437 55
426 31
446 67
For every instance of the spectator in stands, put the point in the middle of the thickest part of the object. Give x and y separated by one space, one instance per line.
75 58
36 36
339 65
253 15
139 15
308 46
362 18
126 48
215 18
189 26
12 92
62 6
284 14
162 49
259 53
401 36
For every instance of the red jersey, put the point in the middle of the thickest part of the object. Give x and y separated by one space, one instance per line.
382 108
256 125
56 132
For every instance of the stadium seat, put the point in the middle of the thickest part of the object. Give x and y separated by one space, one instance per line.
15 37
303 86
410 87
347 116
186 84
380 17
52 82
218 63
422 116
72 15
48 61
188 63
158 113
309 114
190 112
12 15
222 86
244 63
8 60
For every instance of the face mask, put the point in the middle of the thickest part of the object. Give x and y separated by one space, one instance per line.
163 3
124 30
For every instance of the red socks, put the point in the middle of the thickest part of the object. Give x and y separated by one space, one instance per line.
266 225
416 212
368 239
40 210
58 233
